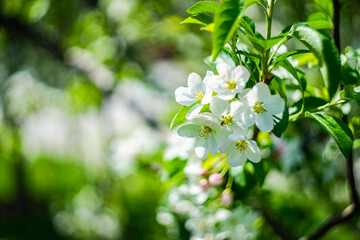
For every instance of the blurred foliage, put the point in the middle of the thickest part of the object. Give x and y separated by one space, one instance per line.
86 94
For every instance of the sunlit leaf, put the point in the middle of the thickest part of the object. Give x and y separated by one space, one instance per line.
227 18
325 51
200 18
337 129
203 6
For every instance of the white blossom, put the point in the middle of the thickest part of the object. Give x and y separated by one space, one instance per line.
196 91
229 116
230 81
240 149
262 106
202 128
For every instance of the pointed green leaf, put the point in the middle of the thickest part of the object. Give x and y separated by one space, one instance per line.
281 123
288 54
180 116
337 129
325 51
203 6
200 18
310 103
227 18
320 24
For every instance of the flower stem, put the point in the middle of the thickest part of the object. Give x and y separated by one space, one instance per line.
268 35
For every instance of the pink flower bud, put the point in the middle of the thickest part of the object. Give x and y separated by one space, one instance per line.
202 172
227 197
215 179
204 185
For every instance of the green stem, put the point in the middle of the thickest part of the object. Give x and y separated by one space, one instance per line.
268 35
234 50
330 104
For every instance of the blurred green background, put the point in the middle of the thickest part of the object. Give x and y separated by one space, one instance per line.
86 98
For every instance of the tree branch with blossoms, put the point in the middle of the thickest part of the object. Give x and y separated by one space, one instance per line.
246 95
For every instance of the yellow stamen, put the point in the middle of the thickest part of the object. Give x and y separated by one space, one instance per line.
198 95
205 132
259 107
241 145
226 120
230 85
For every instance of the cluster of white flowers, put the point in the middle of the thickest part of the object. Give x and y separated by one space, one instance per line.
233 109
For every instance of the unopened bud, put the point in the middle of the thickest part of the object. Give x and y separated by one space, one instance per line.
204 185
215 179
202 172
227 197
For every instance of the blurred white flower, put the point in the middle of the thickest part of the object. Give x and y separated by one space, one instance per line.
178 147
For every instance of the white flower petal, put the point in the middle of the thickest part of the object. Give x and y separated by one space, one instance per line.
274 104
212 143
262 91
206 119
208 76
251 97
223 69
236 158
226 95
222 136
184 96
216 84
228 146
201 149
189 130
218 106
236 108
264 121
235 138
241 75
239 129
247 117
207 96
194 111
194 80
252 151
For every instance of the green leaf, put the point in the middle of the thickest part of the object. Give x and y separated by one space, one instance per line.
261 44
279 85
200 18
320 24
209 28
227 18
252 56
325 51
310 103
281 123
337 129
297 74
288 54
180 116
248 24
204 6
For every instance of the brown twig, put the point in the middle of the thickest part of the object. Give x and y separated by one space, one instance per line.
345 215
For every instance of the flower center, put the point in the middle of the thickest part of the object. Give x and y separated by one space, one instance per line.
198 95
226 120
241 145
205 132
259 107
230 85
